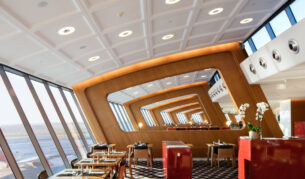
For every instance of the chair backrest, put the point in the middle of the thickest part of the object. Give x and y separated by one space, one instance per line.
140 153
225 152
73 163
43 175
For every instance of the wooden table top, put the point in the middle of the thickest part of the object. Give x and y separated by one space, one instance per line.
116 154
213 145
97 163
104 176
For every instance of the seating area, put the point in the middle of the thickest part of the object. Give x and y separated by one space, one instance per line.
173 89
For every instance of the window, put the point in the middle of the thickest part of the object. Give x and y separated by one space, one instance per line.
17 137
54 119
5 170
280 23
63 108
181 117
227 117
197 118
260 38
297 8
166 117
248 48
78 117
37 123
121 116
148 118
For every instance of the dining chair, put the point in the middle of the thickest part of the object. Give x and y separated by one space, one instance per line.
73 163
142 153
43 175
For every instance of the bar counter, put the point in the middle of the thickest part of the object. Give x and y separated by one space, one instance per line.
271 158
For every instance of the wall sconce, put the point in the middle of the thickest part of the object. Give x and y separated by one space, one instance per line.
140 125
228 123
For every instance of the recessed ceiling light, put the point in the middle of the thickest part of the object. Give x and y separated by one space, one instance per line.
150 85
281 86
203 76
125 33
168 36
215 11
92 59
82 47
246 21
168 83
186 76
66 30
136 92
171 1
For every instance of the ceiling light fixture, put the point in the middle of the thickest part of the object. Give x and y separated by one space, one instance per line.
168 36
203 76
94 58
150 85
169 83
136 92
125 33
186 76
171 1
215 11
246 21
66 30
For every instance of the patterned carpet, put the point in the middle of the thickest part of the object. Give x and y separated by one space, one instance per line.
201 170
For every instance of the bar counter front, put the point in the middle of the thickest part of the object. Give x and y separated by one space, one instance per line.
271 158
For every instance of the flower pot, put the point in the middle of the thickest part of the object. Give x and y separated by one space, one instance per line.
253 135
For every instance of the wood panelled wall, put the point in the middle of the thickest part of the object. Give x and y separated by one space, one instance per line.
297 112
92 95
156 110
133 107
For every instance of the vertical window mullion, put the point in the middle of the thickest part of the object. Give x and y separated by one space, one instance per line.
74 119
270 31
290 16
252 45
84 119
25 122
10 157
63 122
47 122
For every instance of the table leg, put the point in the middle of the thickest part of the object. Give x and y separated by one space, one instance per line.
212 156
130 167
208 155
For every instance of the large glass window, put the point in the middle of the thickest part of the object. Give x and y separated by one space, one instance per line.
260 38
37 123
17 137
5 170
280 23
63 108
297 8
78 117
181 117
54 119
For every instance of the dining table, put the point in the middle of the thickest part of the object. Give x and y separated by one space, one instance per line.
108 163
85 174
210 151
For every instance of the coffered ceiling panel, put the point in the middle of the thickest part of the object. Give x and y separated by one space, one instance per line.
31 28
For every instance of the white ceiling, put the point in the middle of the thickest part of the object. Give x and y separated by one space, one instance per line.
29 39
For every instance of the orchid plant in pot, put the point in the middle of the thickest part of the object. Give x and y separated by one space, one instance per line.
255 131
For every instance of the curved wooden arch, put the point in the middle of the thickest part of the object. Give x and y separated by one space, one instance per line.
133 107
188 114
173 113
92 95
156 110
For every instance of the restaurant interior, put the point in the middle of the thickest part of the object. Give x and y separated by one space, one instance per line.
145 89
